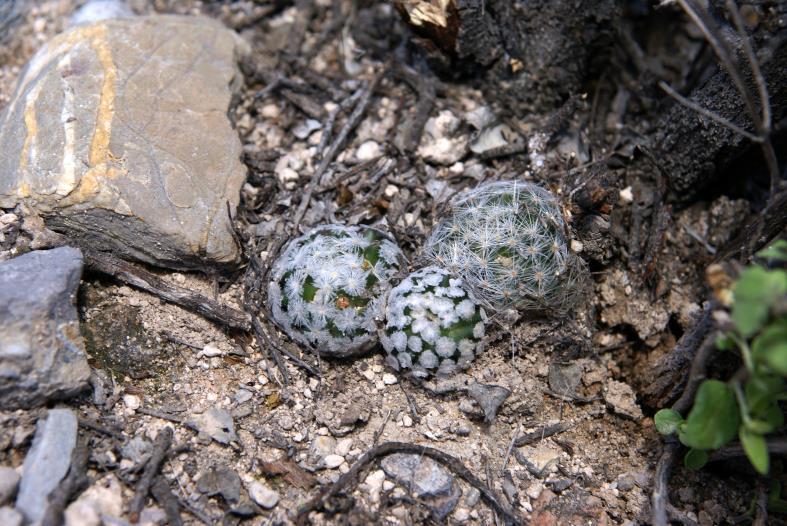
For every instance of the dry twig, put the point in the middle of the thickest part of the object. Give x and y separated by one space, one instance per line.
152 467
317 503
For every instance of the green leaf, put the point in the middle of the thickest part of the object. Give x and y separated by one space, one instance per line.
777 251
695 459
725 342
756 449
667 421
755 291
761 391
714 419
774 416
775 502
771 346
758 426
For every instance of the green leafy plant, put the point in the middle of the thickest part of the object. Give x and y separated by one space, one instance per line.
746 406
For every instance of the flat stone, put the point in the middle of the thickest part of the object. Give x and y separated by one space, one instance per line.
9 482
220 480
216 423
42 355
47 462
118 136
621 399
263 495
97 505
10 517
424 476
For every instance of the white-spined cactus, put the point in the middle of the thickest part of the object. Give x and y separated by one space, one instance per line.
507 240
329 285
432 324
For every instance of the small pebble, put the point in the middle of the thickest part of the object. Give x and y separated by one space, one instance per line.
389 379
333 461
9 482
131 401
210 350
368 151
263 495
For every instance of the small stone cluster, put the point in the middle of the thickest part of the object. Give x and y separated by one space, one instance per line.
504 247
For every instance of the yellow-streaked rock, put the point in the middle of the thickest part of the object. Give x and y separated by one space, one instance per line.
118 136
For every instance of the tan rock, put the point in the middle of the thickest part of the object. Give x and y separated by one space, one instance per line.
118 136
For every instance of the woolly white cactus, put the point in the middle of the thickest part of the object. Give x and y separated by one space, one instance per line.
432 324
329 285
507 241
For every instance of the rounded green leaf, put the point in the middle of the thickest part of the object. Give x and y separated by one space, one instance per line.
756 449
761 391
777 251
714 419
771 346
755 291
667 421
695 458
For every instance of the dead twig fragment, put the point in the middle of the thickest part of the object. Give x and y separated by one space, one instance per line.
546 432
149 282
157 456
75 482
387 448
168 502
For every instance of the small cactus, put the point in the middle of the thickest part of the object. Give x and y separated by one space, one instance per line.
507 241
432 324
329 285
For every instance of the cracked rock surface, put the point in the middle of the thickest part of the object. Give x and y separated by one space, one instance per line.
118 135
42 354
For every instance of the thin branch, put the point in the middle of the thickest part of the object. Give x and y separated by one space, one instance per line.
707 113
659 497
152 467
317 503
363 96
149 282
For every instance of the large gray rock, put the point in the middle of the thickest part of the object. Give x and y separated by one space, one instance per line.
9 481
118 136
42 355
47 462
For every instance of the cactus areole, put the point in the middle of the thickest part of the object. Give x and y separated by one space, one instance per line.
328 286
507 241
432 324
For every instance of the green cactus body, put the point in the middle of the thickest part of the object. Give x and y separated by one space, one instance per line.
328 286
432 324
507 241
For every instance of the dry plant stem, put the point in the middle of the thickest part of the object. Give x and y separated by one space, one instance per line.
349 478
157 456
546 432
660 497
75 481
761 506
163 495
762 122
364 97
144 280
776 446
669 90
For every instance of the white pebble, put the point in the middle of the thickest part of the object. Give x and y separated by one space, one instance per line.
263 495
131 401
333 461
368 151
389 379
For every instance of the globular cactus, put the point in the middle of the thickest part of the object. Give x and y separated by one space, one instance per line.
507 241
432 324
329 285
